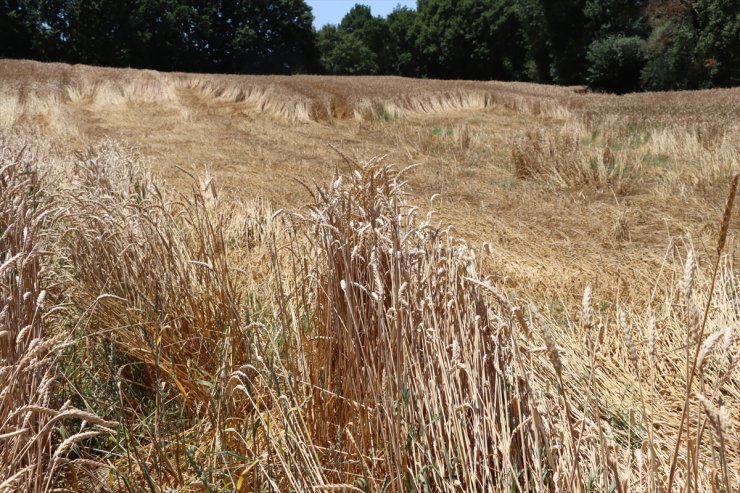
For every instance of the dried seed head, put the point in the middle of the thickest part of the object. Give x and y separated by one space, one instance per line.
552 351
652 352
706 348
708 406
376 273
727 214
727 339
689 271
72 441
628 342
522 322
725 422
41 298
695 317
455 350
587 315
501 300
602 333
719 418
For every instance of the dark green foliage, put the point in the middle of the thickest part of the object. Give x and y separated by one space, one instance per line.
257 36
719 39
20 28
158 32
625 17
693 45
371 32
404 54
97 32
472 39
672 62
615 63
262 36
344 53
534 30
611 45
359 45
567 39
464 39
13 32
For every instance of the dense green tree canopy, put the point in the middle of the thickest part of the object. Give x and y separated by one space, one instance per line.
257 36
358 45
345 53
471 39
719 39
672 58
20 30
615 63
611 45
404 52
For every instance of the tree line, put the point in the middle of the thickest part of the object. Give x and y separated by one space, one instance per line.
223 36
610 45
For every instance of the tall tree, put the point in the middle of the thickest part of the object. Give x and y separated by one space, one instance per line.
624 17
616 53
719 39
344 53
405 56
370 31
262 36
613 45
615 63
24 31
93 31
21 29
535 32
672 58
158 34
259 36
567 37
361 44
472 39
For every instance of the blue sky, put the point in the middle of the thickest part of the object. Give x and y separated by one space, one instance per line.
332 11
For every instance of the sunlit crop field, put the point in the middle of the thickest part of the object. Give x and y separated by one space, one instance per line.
373 284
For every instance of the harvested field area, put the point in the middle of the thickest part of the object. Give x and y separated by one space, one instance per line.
308 283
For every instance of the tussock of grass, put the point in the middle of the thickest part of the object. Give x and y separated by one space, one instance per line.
563 160
162 316
41 439
405 335
153 273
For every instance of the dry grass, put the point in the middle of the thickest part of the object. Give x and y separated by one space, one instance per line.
205 342
43 440
404 335
564 161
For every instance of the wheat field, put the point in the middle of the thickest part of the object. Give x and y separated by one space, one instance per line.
364 284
